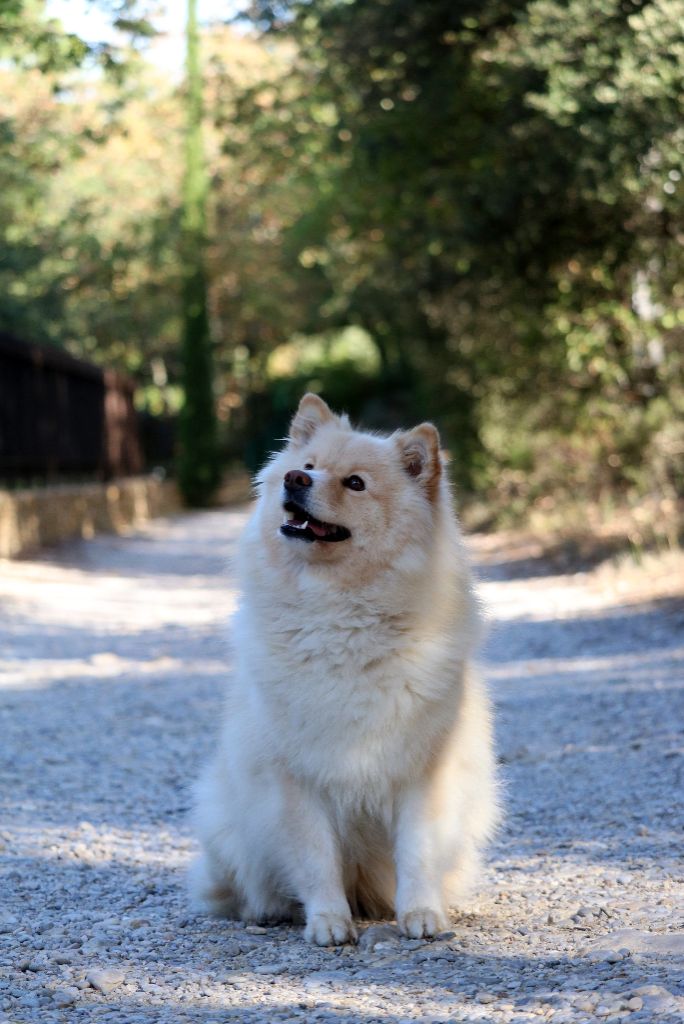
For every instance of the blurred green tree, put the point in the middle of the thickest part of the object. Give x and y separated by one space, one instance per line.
494 195
199 468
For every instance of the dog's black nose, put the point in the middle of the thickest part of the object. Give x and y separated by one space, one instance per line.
297 478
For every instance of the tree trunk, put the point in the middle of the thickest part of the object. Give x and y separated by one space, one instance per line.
198 469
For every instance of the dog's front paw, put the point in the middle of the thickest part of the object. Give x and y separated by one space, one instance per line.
422 923
327 929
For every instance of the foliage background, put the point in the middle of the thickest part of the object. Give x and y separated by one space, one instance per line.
465 211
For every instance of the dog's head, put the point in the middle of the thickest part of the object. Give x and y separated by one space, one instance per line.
338 495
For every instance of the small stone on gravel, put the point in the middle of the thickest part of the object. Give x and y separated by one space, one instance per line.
105 980
485 997
65 996
376 934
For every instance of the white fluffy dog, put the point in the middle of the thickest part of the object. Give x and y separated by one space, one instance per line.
355 772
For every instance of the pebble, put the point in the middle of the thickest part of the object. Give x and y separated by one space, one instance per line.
658 1004
609 956
232 977
651 990
105 980
380 935
271 969
65 996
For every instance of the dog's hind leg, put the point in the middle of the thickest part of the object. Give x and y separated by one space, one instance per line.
213 889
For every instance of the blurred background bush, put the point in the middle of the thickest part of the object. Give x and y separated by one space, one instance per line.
463 211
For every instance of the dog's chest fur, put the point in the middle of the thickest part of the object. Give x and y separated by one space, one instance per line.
351 692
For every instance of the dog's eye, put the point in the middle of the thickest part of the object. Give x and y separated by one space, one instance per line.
308 465
354 483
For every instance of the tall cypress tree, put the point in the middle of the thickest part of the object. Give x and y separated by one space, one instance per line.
198 468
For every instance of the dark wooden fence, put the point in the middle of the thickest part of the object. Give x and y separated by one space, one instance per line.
61 416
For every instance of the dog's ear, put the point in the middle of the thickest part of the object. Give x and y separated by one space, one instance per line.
419 449
311 414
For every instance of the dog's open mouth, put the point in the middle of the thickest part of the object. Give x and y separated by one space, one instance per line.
303 525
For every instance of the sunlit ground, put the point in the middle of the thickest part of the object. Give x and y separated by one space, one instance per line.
113 658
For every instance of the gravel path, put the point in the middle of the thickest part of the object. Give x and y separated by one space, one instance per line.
112 664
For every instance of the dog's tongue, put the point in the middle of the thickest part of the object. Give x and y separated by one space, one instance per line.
318 528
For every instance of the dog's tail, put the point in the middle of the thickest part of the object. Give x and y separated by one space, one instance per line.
371 891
